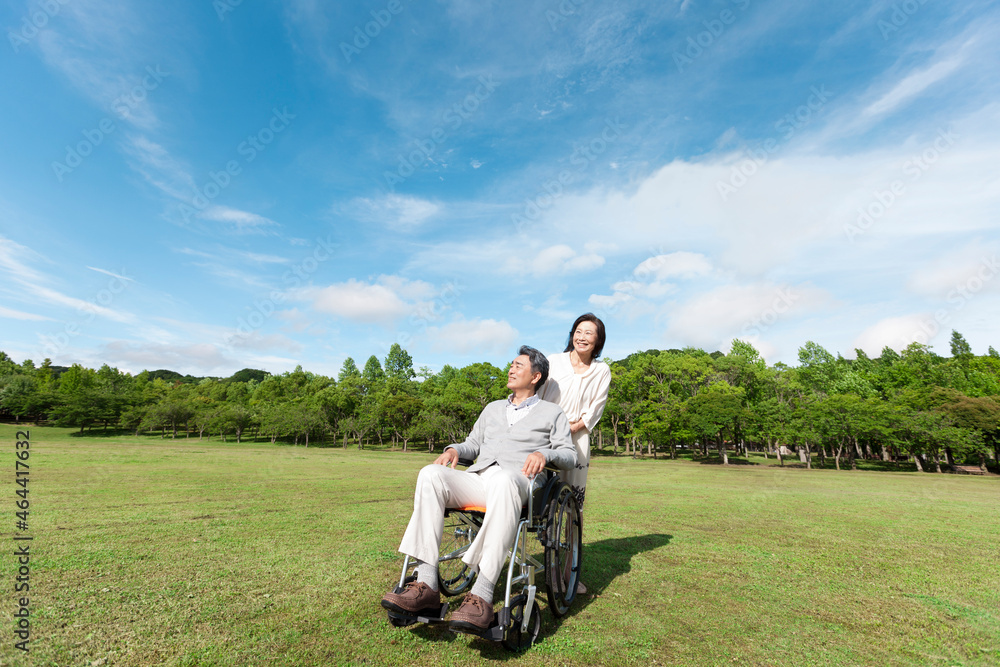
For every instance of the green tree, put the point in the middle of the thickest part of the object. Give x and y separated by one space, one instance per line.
960 348
715 413
399 364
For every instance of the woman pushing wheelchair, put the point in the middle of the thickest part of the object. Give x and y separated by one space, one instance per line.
578 382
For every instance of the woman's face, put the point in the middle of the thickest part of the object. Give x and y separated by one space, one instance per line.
585 339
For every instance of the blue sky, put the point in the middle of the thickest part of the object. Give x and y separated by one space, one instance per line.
206 186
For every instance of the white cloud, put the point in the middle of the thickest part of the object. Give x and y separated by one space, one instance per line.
242 221
19 315
11 256
973 267
255 340
190 358
553 308
398 212
160 168
681 264
913 85
896 333
97 46
111 273
388 299
478 336
557 259
30 281
715 317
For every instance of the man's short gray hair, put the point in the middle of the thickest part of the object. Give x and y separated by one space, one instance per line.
539 364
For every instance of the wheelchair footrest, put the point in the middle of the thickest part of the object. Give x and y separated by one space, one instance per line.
494 633
429 615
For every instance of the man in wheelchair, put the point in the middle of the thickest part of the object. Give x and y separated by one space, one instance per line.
512 441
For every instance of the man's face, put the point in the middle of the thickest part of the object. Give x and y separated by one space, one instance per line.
520 376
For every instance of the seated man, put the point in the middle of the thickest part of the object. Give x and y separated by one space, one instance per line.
514 439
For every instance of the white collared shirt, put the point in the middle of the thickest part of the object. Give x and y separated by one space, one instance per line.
516 413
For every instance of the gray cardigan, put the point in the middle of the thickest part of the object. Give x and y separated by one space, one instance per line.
544 430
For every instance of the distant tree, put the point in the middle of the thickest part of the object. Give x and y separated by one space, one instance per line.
714 413
399 364
960 349
247 374
400 411
349 369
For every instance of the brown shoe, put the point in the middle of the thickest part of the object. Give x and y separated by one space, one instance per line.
416 596
475 614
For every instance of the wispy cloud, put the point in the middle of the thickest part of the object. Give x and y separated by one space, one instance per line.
912 86
397 212
12 314
241 221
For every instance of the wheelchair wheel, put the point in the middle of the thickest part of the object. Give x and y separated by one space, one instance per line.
514 637
563 551
454 576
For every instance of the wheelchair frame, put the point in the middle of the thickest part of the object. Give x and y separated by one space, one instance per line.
557 525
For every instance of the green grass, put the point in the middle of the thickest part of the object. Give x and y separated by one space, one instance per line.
150 551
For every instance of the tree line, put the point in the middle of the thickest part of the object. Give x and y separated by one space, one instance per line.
914 406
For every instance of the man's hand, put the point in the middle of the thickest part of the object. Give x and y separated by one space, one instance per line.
534 464
449 457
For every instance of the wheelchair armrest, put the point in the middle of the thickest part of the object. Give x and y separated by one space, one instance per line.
465 463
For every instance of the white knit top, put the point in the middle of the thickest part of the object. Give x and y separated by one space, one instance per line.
581 396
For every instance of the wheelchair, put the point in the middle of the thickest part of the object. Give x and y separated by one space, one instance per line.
553 516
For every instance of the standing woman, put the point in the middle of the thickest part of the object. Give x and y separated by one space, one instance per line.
579 383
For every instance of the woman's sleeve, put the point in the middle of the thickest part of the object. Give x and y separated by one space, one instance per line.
549 391
592 413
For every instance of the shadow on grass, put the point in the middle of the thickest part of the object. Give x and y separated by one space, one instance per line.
603 562
606 560
733 461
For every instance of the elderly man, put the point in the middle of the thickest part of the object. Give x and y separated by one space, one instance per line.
512 441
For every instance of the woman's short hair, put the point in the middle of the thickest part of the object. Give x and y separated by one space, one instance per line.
539 364
601 335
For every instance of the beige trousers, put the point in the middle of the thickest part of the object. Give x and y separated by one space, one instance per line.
501 492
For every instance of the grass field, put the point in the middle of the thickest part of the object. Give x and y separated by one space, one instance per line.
150 551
